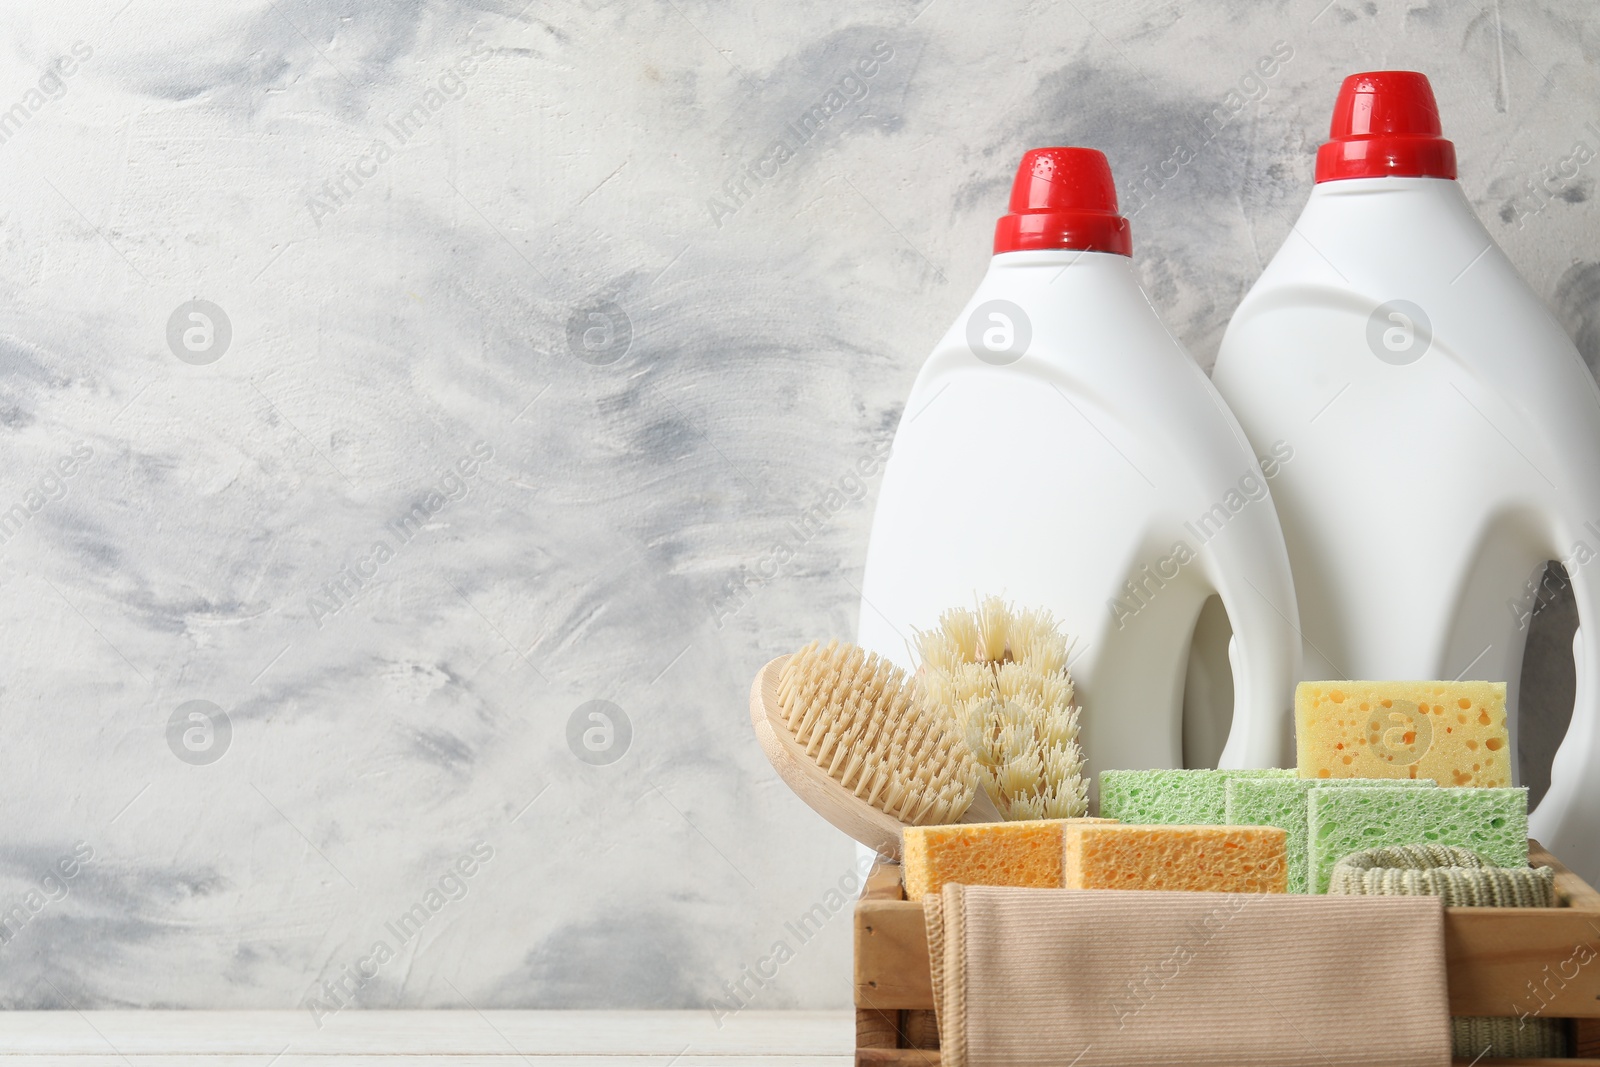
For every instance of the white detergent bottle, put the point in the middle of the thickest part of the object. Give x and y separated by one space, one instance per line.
1446 433
1062 450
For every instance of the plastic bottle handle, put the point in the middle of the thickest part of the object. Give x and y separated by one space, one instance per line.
1264 653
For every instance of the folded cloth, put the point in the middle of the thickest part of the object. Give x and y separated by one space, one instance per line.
1110 977
1460 877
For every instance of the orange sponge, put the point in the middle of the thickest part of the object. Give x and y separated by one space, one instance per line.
1024 853
1224 859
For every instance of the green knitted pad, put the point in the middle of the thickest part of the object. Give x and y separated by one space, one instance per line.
1418 857
1462 877
1493 822
1492 1037
1282 802
1458 875
1181 798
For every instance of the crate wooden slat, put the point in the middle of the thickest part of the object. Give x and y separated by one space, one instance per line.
1587 1034
1491 954
883 883
1494 957
1573 891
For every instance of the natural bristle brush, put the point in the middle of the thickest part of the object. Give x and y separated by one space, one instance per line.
852 736
1000 679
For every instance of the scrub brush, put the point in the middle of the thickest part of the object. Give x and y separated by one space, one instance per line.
851 735
1000 678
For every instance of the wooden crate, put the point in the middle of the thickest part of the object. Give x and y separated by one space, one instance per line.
1493 958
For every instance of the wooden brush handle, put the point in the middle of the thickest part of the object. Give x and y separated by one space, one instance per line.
812 784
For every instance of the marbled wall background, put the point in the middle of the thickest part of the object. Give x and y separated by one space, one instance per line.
497 266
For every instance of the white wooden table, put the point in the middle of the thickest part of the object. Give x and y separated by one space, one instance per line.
455 1038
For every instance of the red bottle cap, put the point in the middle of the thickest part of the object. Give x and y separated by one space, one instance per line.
1063 198
1385 125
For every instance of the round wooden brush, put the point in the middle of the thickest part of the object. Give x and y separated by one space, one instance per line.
852 737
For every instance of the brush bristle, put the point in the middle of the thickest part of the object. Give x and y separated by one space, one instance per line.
861 721
999 678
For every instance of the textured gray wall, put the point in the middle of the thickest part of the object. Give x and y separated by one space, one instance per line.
554 317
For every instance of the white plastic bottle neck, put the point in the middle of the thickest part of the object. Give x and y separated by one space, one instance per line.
1430 199
1059 258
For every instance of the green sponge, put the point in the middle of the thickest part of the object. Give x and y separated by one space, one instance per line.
1180 798
1282 802
1493 822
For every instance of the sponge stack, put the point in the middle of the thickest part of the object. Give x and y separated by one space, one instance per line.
1174 797
1025 853
1284 802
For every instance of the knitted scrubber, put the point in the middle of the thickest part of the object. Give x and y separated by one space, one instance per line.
1506 1037
1459 875
1464 879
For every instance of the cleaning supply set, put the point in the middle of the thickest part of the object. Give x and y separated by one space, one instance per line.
1445 442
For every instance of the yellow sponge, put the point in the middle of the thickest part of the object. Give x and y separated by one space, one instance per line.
1223 859
1025 853
1452 732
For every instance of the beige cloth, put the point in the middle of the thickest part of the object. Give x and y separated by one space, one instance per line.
1105 977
